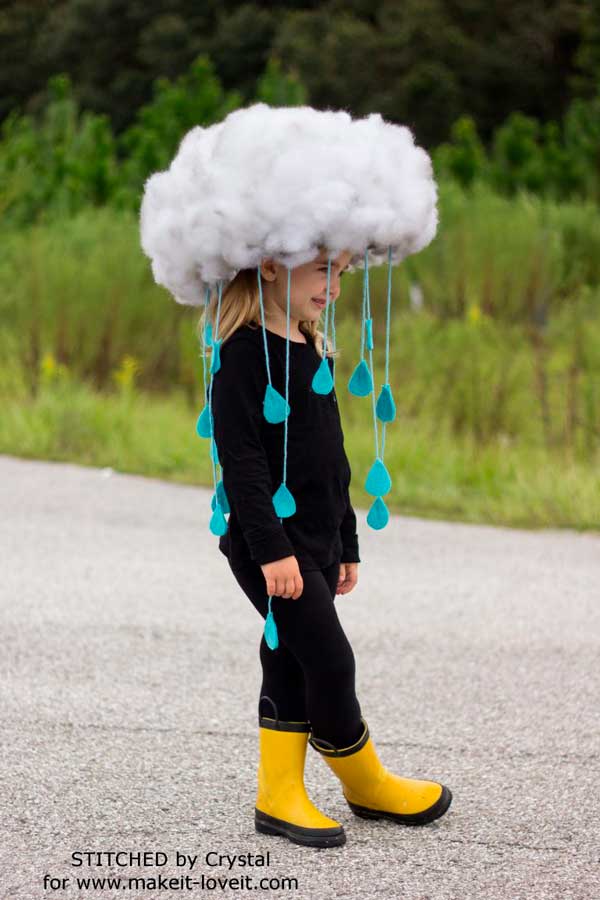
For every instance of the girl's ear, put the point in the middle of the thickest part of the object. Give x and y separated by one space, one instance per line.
268 269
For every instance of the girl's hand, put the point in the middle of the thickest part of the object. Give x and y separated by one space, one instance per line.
348 577
283 578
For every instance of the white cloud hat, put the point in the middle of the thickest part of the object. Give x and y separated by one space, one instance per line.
284 182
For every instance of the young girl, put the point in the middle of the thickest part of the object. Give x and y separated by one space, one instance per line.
301 561
245 205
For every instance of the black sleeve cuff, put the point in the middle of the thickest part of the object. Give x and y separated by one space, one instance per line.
270 545
350 554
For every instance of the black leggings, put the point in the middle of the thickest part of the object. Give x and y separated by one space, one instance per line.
310 676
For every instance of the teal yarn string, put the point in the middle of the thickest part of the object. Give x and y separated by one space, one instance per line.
327 307
333 340
387 339
363 313
368 316
206 302
287 372
262 322
387 326
327 316
270 628
210 389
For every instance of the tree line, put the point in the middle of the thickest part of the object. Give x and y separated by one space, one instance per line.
424 63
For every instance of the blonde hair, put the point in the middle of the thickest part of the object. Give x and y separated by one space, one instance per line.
240 305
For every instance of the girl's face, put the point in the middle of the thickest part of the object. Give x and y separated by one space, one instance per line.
308 284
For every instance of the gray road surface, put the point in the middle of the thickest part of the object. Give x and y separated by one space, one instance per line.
130 676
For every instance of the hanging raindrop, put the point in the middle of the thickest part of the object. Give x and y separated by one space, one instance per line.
378 480
218 523
203 425
270 630
222 497
275 407
386 408
361 383
378 516
322 382
284 503
215 363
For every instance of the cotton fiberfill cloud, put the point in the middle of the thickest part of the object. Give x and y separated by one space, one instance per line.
282 182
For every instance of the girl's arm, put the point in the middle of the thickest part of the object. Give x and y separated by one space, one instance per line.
238 391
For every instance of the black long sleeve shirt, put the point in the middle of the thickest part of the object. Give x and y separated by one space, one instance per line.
251 453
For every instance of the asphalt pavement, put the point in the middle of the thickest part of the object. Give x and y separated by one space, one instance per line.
128 703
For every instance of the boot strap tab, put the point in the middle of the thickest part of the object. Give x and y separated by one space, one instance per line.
282 725
273 705
345 751
278 724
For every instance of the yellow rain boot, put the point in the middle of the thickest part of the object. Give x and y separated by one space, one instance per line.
282 804
373 792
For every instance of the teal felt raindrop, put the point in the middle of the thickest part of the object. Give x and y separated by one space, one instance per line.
218 523
361 383
208 334
378 516
378 480
215 363
369 336
222 497
283 501
213 502
322 382
214 452
275 407
203 425
270 631
386 408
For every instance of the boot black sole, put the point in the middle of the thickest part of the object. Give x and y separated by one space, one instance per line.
309 837
428 815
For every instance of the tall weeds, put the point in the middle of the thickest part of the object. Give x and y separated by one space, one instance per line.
503 344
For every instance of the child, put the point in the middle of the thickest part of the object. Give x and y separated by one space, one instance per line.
308 682
246 204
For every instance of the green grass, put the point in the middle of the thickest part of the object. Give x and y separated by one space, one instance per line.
434 474
495 373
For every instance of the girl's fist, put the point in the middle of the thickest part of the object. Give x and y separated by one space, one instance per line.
348 577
